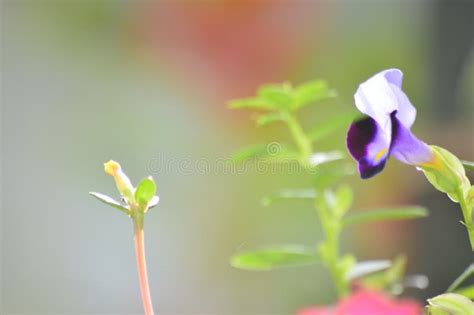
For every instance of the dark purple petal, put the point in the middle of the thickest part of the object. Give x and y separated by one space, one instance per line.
407 148
368 168
368 145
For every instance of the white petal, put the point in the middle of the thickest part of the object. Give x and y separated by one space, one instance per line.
381 95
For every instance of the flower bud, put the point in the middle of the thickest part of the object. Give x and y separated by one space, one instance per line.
446 173
449 303
122 181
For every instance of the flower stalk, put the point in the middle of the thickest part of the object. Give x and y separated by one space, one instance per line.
137 201
141 263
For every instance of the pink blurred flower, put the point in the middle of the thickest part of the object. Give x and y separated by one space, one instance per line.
365 302
315 311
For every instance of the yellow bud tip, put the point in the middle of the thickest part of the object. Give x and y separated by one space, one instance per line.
111 167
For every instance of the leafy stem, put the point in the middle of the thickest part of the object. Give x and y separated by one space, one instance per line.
299 136
331 221
332 259
328 250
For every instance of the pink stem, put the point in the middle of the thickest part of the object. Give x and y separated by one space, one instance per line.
141 266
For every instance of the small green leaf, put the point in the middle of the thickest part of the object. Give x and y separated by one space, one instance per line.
252 103
249 153
145 191
331 125
110 201
277 94
450 304
266 119
311 92
389 214
288 194
275 257
364 268
468 165
272 152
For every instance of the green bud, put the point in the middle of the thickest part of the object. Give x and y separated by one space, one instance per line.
449 304
446 173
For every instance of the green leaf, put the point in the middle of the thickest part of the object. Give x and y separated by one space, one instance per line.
272 152
110 201
275 257
276 94
331 125
252 103
266 119
145 191
288 194
399 213
468 165
311 92
249 153
364 268
459 280
450 304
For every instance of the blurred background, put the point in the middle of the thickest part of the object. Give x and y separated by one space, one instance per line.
146 83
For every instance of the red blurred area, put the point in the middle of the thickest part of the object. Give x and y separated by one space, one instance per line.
227 48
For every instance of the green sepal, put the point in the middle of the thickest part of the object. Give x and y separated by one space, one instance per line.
144 193
466 291
110 201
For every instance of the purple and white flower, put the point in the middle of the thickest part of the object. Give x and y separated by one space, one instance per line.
386 129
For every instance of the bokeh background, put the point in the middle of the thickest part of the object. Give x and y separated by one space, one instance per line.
145 83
